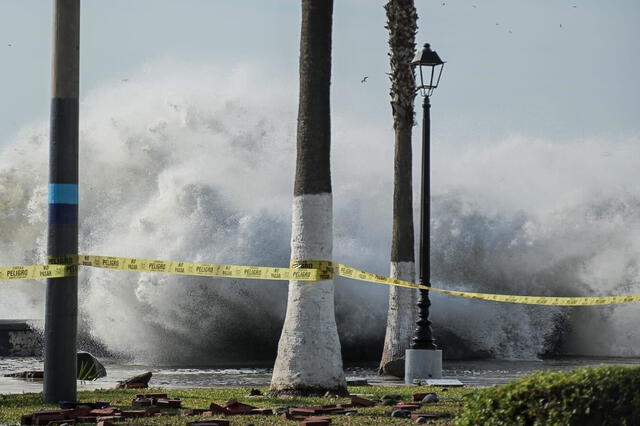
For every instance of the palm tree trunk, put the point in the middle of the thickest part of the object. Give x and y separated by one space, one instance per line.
309 360
401 316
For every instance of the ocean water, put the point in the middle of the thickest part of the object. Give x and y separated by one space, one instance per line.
470 373
193 164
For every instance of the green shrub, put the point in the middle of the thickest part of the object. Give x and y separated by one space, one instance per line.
592 396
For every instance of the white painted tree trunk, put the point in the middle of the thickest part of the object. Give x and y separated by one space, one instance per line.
309 357
402 315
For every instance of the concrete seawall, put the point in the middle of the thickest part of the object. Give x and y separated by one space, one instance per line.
20 338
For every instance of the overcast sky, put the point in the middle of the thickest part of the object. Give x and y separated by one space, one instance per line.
553 69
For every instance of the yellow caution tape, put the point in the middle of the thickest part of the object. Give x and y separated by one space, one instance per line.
201 269
37 271
303 270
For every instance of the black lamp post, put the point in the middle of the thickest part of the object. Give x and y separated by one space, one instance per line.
428 67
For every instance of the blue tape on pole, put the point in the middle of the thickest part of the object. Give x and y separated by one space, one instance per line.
63 193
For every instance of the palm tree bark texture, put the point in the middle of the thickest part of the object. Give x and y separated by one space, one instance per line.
402 25
309 360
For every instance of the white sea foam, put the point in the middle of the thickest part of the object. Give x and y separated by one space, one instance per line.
194 164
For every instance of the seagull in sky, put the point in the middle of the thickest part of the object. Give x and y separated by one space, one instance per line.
364 80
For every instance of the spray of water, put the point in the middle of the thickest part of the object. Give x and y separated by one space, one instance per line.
192 164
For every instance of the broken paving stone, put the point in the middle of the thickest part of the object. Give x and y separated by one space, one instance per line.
135 382
401 414
430 398
391 396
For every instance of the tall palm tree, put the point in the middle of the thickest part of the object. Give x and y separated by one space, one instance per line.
402 24
309 359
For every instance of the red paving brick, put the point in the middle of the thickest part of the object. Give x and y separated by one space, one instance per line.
357 401
407 406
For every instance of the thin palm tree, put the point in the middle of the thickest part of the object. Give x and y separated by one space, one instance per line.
401 24
309 360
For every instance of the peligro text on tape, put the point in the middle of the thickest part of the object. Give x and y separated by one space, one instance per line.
302 270
34 272
199 269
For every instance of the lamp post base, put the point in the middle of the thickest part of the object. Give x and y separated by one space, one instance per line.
422 364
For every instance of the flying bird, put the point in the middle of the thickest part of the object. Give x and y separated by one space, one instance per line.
124 80
364 79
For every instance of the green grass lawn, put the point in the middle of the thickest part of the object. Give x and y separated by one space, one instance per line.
12 407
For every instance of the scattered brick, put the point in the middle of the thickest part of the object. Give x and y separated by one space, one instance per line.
305 411
417 397
234 407
217 409
409 407
358 401
315 421
168 403
81 410
110 411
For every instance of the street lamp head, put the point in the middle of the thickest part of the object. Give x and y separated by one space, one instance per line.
428 66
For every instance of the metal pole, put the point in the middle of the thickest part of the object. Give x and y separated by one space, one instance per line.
61 309
423 338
